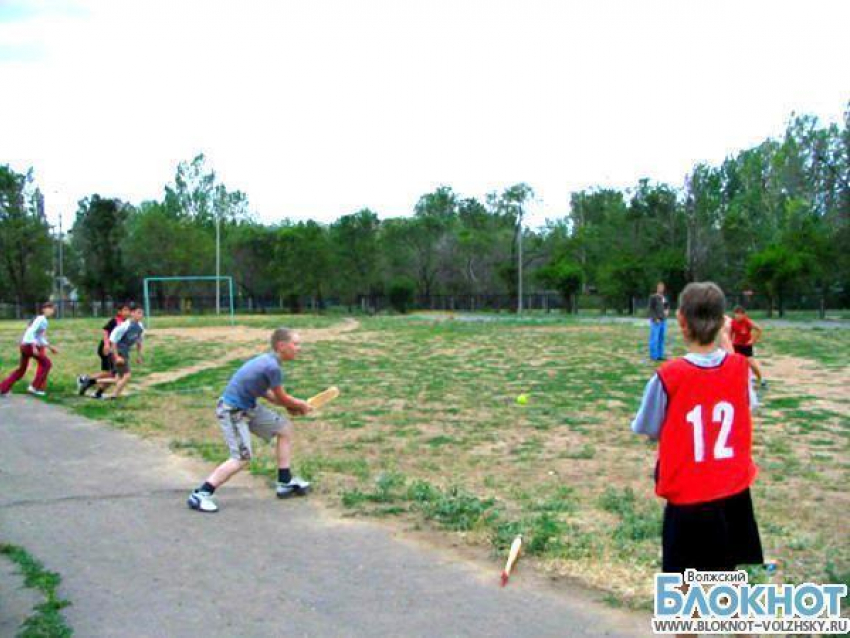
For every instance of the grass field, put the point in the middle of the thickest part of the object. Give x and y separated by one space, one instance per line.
428 435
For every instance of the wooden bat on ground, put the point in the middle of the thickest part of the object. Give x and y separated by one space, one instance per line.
323 397
516 546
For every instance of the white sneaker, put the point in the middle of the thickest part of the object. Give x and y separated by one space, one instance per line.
38 393
296 487
202 501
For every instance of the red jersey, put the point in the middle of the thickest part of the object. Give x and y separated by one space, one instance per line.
705 447
742 331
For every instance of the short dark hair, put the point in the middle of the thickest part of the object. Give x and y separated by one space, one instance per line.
281 335
127 304
47 304
702 305
739 309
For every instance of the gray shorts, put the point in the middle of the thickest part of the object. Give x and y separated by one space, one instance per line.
237 426
119 370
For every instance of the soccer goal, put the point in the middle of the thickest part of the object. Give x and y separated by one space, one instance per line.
180 295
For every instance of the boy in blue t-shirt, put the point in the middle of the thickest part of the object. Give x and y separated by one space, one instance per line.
239 415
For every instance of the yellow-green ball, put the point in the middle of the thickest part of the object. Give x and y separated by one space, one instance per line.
522 399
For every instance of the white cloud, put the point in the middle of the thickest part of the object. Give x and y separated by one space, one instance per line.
318 108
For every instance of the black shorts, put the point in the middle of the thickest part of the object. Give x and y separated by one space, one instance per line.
714 536
105 359
747 351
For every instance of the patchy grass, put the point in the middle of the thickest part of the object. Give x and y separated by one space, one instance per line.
427 430
46 619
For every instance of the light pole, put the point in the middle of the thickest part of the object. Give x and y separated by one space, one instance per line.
61 270
519 262
217 262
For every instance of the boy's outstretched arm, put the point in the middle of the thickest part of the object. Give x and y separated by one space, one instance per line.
652 410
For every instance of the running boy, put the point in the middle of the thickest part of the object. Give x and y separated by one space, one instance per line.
745 334
698 408
104 351
239 415
122 339
34 345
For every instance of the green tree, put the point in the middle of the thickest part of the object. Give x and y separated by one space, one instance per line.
25 242
511 205
354 244
161 243
622 280
303 262
776 270
250 250
566 277
401 294
97 236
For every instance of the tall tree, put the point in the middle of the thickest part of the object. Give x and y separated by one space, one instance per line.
25 242
425 240
511 204
159 243
354 244
303 261
98 235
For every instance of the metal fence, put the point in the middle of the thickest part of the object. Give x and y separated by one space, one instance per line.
814 302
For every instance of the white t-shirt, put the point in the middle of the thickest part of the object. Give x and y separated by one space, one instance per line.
34 334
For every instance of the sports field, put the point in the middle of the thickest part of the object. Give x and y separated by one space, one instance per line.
428 435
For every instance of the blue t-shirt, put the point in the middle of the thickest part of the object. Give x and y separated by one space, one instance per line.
256 377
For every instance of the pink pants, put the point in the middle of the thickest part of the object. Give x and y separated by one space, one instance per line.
29 352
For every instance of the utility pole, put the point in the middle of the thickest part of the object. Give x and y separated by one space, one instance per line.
217 262
519 262
61 270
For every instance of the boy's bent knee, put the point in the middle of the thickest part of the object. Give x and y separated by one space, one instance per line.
286 432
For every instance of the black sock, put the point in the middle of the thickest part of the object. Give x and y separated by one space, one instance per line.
90 382
206 487
99 392
284 475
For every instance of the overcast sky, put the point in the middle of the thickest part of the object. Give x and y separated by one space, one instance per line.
318 108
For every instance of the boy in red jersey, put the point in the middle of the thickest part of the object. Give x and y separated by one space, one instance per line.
698 408
745 334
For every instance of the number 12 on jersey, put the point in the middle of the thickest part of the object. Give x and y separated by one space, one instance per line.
724 414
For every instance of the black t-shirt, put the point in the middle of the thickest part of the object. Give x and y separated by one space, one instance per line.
109 326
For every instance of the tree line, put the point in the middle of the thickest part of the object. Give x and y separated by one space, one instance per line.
774 219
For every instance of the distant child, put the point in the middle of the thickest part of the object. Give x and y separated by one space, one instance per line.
34 345
123 337
745 334
239 416
104 351
698 408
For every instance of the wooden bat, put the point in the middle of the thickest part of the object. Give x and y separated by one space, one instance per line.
324 397
516 546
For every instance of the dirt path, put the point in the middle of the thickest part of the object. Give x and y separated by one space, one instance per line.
242 342
827 386
107 511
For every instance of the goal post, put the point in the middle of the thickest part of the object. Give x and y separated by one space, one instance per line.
217 280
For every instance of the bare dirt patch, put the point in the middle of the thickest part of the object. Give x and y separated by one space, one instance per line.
828 386
249 341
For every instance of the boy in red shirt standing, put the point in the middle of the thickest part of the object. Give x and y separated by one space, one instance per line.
698 408
745 334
